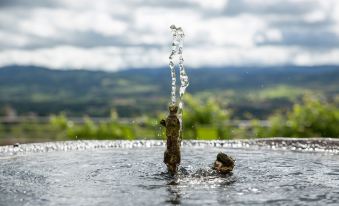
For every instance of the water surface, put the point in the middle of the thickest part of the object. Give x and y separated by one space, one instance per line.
136 176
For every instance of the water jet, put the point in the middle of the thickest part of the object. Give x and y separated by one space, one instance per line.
173 122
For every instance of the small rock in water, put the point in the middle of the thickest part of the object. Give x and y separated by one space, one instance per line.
224 163
16 145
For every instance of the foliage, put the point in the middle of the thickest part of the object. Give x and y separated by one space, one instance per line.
90 130
30 131
310 118
201 118
59 121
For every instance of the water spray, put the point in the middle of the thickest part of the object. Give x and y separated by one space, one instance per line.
173 122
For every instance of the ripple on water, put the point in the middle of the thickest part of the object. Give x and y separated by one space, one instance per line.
112 175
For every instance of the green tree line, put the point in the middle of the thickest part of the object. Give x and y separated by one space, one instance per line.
206 119
202 119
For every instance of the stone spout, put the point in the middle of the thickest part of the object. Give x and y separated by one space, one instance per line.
172 155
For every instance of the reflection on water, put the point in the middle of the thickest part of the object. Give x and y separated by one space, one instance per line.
201 176
136 176
174 195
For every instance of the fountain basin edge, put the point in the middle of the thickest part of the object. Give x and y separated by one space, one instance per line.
330 145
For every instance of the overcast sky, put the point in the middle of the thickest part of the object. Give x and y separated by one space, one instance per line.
112 35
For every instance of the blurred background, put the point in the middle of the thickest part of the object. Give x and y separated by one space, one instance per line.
86 69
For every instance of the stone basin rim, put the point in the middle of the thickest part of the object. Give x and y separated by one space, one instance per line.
330 145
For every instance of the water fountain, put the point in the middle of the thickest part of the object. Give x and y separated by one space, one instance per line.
276 171
173 123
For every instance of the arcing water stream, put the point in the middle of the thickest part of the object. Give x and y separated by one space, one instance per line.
177 51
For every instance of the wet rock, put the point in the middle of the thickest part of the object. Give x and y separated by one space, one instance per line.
172 154
224 164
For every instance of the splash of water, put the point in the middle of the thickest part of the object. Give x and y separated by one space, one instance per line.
177 51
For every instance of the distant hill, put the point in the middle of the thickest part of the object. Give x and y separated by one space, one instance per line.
146 91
